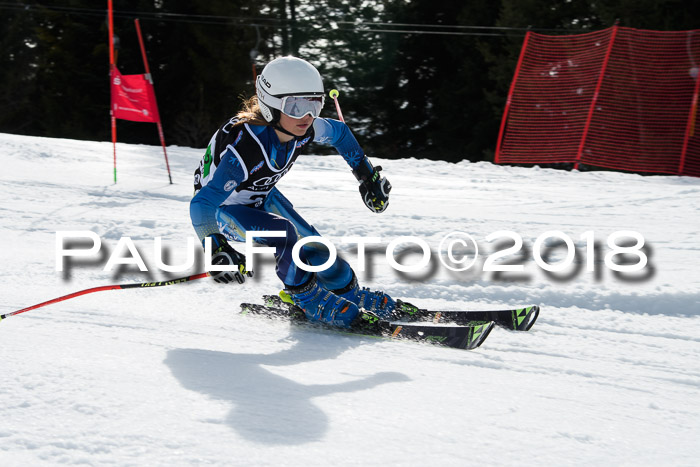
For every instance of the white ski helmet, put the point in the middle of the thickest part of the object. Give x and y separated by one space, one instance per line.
289 85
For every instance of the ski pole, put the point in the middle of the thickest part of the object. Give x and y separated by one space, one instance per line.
334 95
142 285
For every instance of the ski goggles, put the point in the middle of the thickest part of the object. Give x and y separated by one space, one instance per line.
301 106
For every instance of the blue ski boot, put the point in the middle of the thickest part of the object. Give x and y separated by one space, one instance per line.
377 302
322 305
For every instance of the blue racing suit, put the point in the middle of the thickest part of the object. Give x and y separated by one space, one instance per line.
235 193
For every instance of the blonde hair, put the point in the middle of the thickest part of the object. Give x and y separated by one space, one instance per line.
250 112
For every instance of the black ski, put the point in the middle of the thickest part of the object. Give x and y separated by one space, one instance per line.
515 319
467 337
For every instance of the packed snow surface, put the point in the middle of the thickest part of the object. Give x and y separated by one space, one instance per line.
609 375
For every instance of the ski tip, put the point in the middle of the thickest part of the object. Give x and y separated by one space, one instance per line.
523 318
529 316
479 334
535 314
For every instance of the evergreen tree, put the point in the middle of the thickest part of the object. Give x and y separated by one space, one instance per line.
17 70
200 62
65 93
406 94
434 94
662 15
337 38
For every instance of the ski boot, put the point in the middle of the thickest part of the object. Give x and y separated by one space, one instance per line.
377 302
322 305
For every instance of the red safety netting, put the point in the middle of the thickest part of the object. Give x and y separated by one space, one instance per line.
620 98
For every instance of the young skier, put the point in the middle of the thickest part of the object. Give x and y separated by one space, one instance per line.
235 191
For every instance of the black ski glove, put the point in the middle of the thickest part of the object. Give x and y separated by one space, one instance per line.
374 188
224 255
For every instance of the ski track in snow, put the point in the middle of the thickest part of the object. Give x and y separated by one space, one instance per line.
610 373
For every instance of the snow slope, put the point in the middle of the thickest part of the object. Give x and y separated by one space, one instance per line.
175 376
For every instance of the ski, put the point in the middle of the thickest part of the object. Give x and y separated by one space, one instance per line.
467 337
515 319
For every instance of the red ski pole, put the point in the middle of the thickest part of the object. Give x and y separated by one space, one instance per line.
334 95
142 285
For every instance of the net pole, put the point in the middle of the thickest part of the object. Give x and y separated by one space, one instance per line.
594 100
510 96
150 80
690 126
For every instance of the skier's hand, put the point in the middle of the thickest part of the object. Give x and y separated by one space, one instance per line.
224 255
375 191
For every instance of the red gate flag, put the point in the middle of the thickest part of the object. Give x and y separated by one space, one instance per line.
133 98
